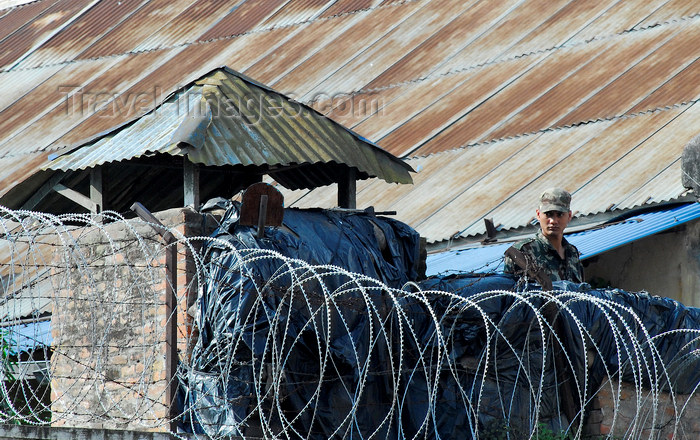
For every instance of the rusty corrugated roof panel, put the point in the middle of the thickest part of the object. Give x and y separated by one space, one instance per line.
136 29
61 118
471 79
188 26
23 83
315 70
40 29
297 11
213 123
352 6
79 35
614 164
243 17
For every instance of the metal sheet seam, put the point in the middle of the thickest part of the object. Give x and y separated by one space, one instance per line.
652 27
541 172
313 91
689 105
568 126
197 42
631 193
501 87
52 34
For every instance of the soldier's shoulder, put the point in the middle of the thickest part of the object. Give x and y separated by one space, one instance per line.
523 243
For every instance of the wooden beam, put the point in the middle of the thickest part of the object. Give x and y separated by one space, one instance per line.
42 192
347 190
75 196
191 183
96 189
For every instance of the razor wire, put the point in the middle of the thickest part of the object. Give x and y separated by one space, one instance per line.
304 351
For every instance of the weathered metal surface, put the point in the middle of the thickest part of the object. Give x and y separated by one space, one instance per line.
223 119
15 18
314 72
82 33
137 29
416 77
38 29
606 164
243 17
384 52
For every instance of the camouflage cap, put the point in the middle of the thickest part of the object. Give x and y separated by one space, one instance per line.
555 199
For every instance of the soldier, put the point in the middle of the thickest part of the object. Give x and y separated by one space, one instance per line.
548 253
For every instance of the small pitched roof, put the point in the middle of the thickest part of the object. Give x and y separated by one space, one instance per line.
226 119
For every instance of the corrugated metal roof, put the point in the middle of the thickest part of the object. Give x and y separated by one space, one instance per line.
223 119
489 258
607 91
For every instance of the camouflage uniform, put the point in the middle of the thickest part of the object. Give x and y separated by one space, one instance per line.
542 253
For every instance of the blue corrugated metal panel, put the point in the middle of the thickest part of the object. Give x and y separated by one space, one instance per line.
592 242
25 337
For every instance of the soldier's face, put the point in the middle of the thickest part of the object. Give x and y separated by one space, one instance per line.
553 223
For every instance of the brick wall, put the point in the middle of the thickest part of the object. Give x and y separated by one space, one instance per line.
108 325
618 411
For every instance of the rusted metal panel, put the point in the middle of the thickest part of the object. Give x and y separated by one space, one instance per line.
377 114
681 88
643 78
374 59
316 69
509 179
304 41
474 18
604 63
15 18
81 34
55 90
188 26
618 18
505 29
639 167
41 27
69 121
670 11
135 30
445 123
22 82
559 25
343 7
502 180
245 16
297 11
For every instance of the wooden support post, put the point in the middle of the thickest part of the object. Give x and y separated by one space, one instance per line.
171 358
96 194
191 183
347 190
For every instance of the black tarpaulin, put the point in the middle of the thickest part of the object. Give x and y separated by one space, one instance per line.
314 331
